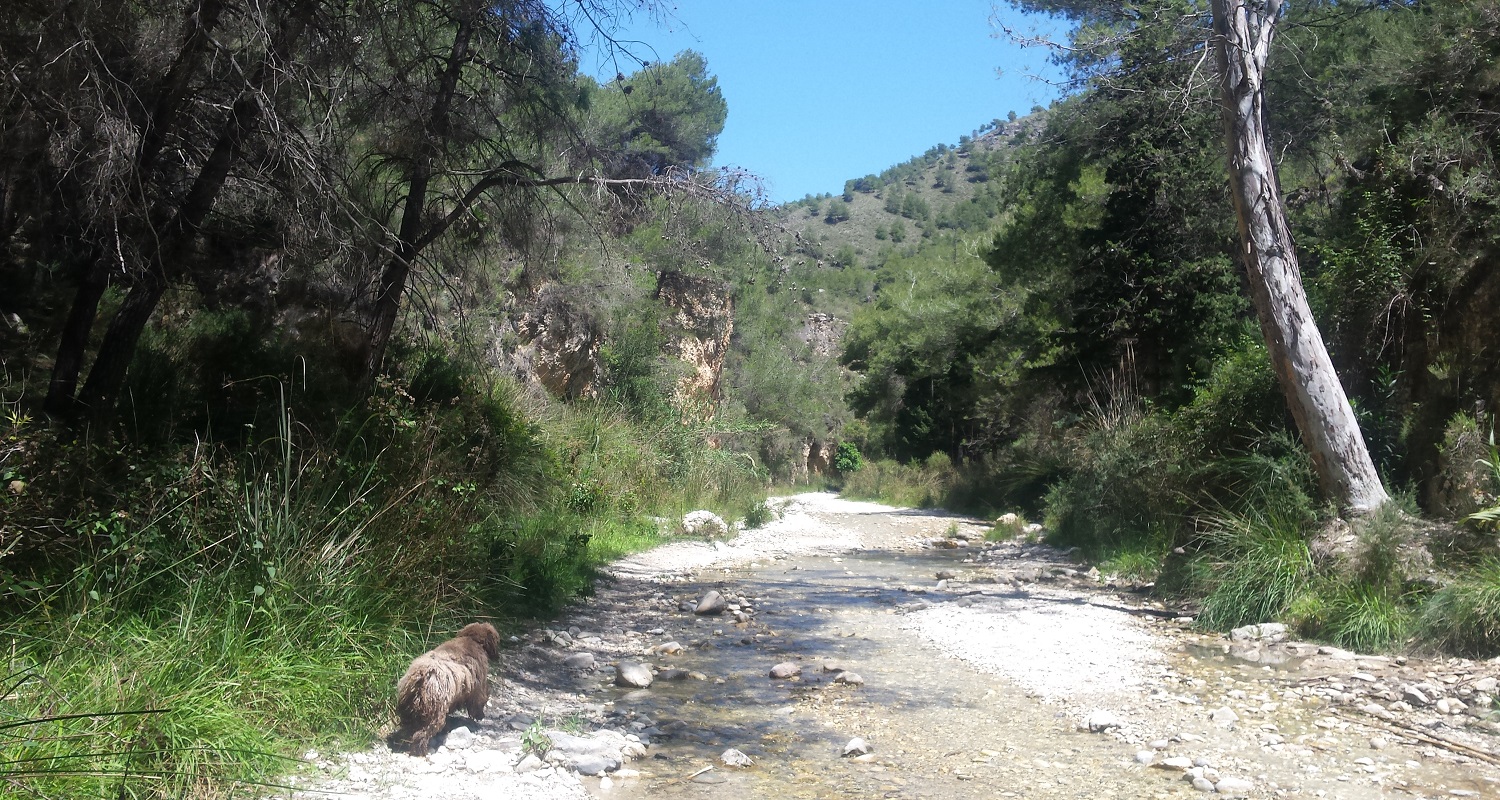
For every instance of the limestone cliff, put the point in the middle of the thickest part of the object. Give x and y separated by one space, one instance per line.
699 325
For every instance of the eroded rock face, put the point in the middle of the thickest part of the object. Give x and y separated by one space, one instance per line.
554 344
700 324
823 333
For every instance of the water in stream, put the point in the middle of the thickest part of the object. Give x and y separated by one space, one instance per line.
939 728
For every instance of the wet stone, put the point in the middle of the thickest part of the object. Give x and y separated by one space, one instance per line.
633 675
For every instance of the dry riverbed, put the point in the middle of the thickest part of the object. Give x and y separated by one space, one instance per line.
963 669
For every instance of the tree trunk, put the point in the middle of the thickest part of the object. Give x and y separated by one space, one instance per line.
393 278
1317 400
101 392
93 274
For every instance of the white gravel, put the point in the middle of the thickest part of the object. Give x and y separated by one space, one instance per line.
1053 646
795 531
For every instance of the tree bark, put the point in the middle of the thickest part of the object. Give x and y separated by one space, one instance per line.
1243 30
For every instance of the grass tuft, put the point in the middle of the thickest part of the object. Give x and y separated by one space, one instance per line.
1263 564
1464 616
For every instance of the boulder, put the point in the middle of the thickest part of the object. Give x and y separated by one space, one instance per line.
712 604
633 675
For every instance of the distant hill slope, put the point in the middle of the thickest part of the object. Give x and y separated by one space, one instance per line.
837 242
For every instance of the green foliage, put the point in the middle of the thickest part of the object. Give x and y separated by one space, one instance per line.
758 514
1261 565
912 485
1490 515
1464 616
662 115
847 458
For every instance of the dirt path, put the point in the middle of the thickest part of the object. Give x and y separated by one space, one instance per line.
970 670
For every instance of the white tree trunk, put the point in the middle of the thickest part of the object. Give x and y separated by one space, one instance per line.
1243 31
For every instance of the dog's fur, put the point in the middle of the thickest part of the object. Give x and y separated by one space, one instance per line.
454 676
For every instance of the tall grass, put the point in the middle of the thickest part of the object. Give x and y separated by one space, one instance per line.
1262 564
1464 616
190 656
923 484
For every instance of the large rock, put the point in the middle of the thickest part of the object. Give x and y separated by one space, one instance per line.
699 327
1270 632
633 675
712 604
704 523
595 754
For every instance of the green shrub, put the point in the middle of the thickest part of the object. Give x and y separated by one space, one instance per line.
1464 616
847 459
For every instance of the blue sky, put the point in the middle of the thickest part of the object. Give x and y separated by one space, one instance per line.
821 91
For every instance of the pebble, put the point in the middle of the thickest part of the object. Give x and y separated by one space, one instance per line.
668 648
1145 757
579 661
857 747
735 758
1234 786
1177 762
459 738
850 678
529 764
1224 715
785 670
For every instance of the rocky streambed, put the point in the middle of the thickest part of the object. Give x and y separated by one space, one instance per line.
854 650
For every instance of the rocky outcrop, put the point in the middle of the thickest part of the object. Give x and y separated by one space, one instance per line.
823 334
700 324
553 344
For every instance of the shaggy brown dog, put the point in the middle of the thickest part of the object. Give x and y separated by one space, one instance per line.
454 676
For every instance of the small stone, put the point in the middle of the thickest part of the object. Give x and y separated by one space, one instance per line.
1486 685
592 764
712 604
579 661
1145 757
1224 715
632 675
1176 762
734 758
857 747
785 670
459 738
1101 721
1415 696
1160 744
1234 786
668 648
945 575
605 784
528 764
1378 743
850 678
1203 784
1450 705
